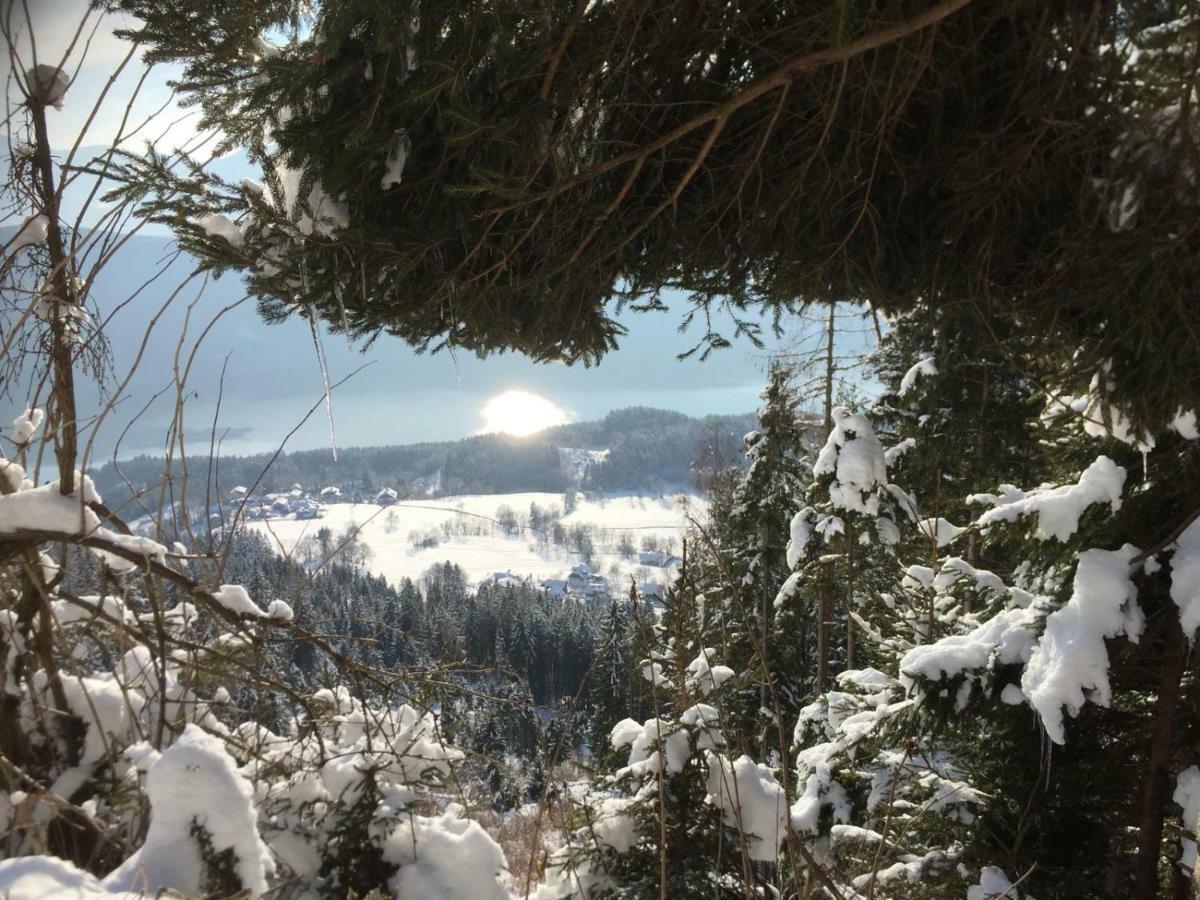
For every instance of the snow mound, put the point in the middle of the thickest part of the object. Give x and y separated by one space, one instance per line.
50 878
195 785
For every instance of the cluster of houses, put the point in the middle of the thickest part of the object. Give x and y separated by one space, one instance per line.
582 582
585 584
656 559
296 502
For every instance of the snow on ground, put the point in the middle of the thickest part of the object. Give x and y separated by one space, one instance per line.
387 531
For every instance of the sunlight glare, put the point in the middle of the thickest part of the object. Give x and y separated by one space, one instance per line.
520 413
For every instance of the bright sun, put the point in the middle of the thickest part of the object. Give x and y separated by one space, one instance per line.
520 413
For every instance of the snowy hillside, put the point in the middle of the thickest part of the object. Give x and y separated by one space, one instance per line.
407 538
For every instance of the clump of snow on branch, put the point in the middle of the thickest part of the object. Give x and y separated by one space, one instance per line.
315 212
892 454
1069 665
818 790
704 676
1004 639
25 426
1184 424
1187 795
48 306
925 367
394 167
801 532
993 885
751 801
46 509
854 457
653 743
1058 508
1185 578
219 226
940 530
1099 417
47 84
33 231
236 599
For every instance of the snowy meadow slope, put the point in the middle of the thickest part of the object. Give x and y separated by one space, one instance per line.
407 538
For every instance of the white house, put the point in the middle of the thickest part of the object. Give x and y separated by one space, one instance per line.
555 587
306 509
505 579
582 581
577 580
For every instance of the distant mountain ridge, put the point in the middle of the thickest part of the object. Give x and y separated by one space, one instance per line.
635 449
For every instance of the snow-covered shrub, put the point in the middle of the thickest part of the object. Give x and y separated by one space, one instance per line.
339 789
119 723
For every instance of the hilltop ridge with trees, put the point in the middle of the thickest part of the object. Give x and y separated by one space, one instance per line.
647 451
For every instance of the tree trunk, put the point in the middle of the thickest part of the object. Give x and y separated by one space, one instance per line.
849 601
62 414
823 611
1156 786
829 370
825 607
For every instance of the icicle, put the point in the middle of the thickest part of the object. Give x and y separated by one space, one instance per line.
337 292
312 321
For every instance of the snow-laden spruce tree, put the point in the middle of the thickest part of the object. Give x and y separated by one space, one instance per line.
1067 680
743 563
843 551
870 790
614 691
680 811
1030 644
958 410
496 174
1087 637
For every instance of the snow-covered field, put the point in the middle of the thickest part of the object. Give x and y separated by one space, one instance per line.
387 532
